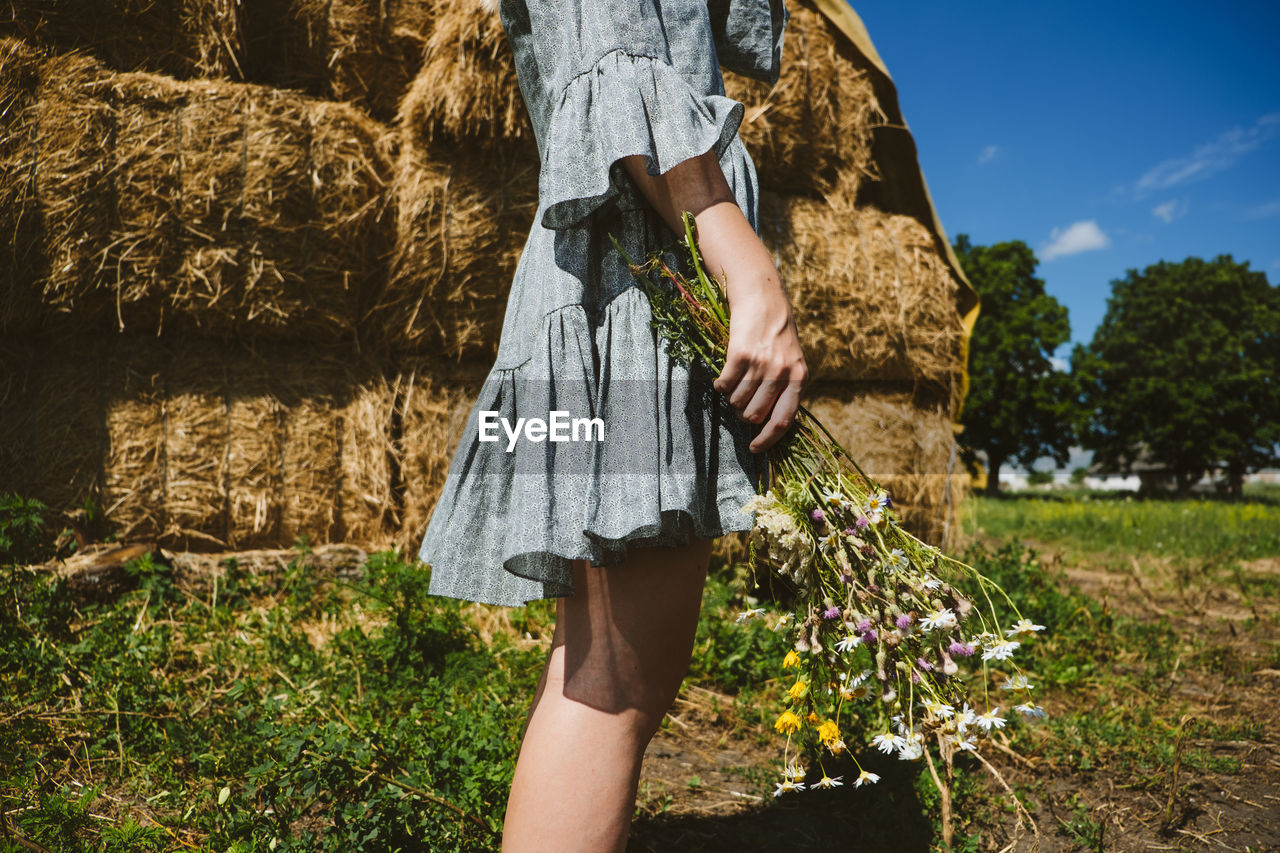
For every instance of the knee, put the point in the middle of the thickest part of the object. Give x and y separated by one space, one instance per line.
638 703
654 700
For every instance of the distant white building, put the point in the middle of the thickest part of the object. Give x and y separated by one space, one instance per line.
1013 478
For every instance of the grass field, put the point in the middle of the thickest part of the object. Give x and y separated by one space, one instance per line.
309 709
1201 528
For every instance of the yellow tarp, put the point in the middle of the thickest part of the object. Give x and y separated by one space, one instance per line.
895 152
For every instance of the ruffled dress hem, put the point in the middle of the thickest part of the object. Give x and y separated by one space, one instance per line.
552 506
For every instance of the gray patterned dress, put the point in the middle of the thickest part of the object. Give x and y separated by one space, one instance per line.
659 457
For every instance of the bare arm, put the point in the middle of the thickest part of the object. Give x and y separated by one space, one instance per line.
765 367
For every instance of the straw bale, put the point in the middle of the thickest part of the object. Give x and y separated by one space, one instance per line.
196 440
311 394
19 216
466 90
202 445
255 448
812 130
184 38
224 209
902 439
461 224
359 51
50 429
133 496
873 298
369 463
433 409
347 50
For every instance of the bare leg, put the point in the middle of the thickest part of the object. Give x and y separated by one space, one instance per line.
620 651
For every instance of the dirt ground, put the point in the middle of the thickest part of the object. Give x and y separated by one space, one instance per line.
698 788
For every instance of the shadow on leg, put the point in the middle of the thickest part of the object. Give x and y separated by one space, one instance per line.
620 652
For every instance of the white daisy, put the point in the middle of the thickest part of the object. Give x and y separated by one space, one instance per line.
828 782
865 778
911 751
787 785
939 620
855 691
1017 683
1030 709
887 743
794 772
991 719
848 643
750 614
1000 650
896 560
941 710
1023 630
962 742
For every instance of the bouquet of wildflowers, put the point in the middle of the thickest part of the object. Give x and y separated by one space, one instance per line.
881 620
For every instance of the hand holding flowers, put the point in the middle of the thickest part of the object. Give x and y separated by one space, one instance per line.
884 622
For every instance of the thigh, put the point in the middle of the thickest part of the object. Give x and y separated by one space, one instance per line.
627 631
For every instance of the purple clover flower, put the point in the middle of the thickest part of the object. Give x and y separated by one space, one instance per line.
832 612
862 523
915 676
864 626
924 664
849 531
817 515
962 650
870 636
904 621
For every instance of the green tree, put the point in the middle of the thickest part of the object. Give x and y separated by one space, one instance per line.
1185 369
1019 408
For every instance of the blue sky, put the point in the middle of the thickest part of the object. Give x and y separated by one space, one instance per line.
1105 136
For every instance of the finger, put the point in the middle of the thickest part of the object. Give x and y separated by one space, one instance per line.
735 367
784 413
745 393
761 403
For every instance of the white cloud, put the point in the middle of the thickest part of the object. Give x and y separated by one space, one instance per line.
1060 364
988 154
1083 236
1170 210
1261 211
1210 157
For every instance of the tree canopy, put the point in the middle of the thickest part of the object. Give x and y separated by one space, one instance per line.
1183 372
1019 407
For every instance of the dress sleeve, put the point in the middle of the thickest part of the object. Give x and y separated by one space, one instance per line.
636 77
748 35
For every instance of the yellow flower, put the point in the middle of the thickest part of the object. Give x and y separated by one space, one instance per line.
792 659
787 723
797 690
813 718
828 732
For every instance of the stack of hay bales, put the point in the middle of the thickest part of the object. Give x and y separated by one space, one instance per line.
235 314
